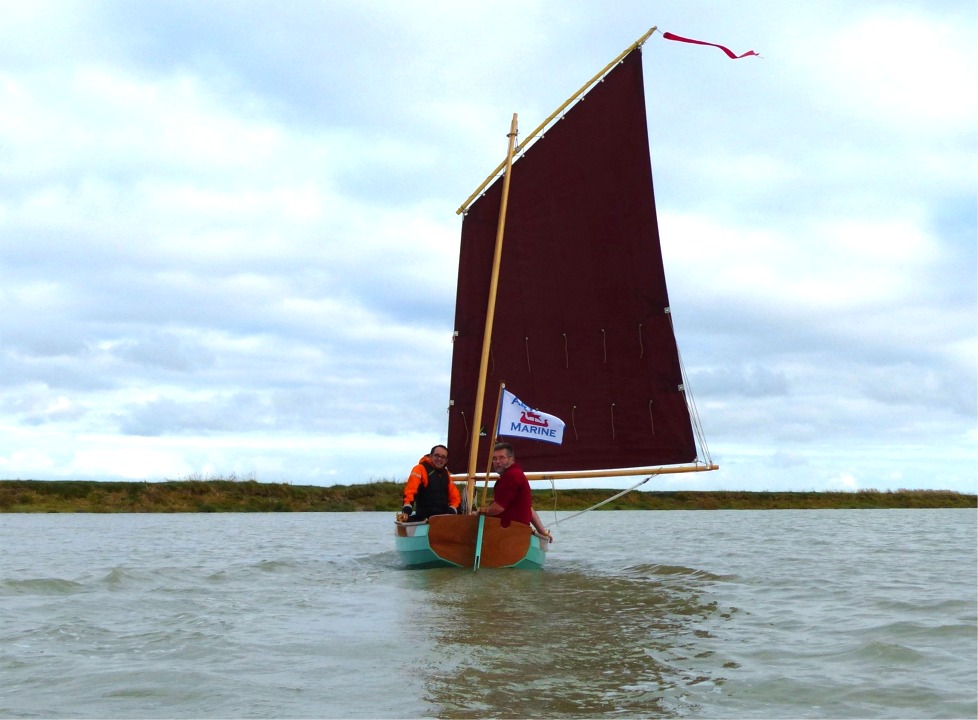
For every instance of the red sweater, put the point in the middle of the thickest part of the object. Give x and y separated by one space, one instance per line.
512 491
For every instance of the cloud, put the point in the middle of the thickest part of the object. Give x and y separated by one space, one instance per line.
228 240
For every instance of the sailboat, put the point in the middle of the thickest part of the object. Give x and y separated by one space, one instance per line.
562 297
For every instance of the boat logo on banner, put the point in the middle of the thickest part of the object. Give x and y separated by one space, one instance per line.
519 420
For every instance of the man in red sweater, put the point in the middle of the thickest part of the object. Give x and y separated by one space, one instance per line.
511 498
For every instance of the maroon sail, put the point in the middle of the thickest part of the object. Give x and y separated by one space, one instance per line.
582 328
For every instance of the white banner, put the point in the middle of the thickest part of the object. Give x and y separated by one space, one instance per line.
519 420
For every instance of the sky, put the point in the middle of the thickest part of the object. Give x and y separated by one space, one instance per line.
228 239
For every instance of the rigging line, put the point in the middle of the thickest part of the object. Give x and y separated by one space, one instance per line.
566 354
641 345
574 421
694 415
526 340
651 417
694 412
604 345
553 493
465 424
612 421
605 502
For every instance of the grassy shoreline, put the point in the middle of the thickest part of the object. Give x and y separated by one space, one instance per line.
220 495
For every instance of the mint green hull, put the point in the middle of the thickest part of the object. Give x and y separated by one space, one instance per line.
415 551
535 556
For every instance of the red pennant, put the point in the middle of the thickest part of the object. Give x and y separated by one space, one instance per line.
730 54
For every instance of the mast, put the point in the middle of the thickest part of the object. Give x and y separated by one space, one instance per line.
490 313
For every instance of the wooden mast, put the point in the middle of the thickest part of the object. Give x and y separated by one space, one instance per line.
490 314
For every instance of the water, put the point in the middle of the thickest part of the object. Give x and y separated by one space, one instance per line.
773 614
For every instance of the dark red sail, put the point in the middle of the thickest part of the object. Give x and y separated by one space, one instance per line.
582 328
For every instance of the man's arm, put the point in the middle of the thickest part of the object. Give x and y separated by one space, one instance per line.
411 489
537 522
495 509
454 496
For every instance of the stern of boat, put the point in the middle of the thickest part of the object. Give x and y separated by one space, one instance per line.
450 540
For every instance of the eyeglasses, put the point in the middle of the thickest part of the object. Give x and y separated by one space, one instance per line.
440 457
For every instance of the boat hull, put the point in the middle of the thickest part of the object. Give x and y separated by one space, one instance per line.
450 541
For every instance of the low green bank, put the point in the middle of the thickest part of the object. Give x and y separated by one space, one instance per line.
219 495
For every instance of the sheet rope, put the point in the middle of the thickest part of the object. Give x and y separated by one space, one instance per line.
557 520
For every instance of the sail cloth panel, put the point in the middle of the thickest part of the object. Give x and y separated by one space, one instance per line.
581 326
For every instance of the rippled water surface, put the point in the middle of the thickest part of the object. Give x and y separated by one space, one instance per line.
741 614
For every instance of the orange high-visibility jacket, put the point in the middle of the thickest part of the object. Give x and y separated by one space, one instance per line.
419 477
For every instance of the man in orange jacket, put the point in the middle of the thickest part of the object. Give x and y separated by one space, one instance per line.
430 488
